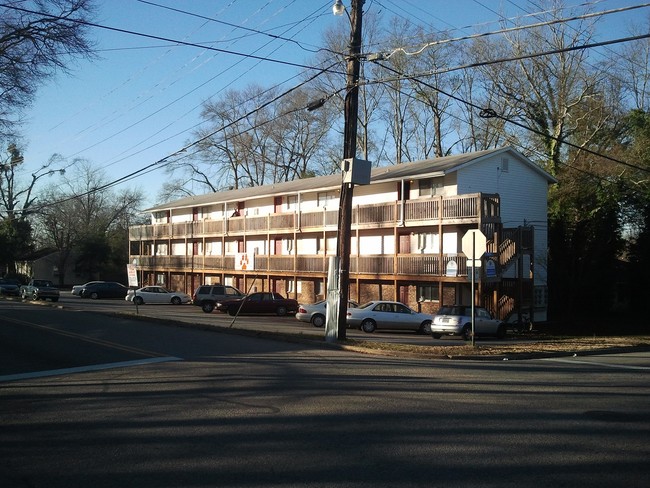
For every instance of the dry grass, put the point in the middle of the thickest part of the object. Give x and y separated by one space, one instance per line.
536 347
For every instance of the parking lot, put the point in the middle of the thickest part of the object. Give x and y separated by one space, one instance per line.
287 325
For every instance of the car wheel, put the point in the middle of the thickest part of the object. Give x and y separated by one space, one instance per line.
501 331
436 336
424 327
138 301
176 301
207 307
232 311
318 320
281 311
467 333
34 296
94 295
368 326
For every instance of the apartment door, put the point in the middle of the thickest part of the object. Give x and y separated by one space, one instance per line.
277 203
405 244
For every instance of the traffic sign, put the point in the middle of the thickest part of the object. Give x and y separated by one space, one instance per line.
474 244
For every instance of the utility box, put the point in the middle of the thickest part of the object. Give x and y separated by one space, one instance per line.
356 171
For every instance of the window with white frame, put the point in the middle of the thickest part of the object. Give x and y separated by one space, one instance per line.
292 203
327 199
430 186
161 217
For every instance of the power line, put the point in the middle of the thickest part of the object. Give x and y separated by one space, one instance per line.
161 38
493 114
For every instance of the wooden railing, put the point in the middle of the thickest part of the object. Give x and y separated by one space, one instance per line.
400 265
462 209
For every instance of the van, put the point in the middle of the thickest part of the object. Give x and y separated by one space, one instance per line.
207 296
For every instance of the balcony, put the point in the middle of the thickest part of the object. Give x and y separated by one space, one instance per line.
407 265
476 208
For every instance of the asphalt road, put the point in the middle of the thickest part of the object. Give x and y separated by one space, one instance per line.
131 403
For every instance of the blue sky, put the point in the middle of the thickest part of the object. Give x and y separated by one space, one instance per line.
141 99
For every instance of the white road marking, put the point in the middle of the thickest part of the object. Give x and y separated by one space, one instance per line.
85 369
594 363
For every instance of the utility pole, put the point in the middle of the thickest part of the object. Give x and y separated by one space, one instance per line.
349 152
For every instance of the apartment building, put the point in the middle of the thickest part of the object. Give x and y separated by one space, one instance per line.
407 228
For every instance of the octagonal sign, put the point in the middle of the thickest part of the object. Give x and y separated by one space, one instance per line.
474 244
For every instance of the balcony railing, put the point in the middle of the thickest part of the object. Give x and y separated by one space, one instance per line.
376 265
463 209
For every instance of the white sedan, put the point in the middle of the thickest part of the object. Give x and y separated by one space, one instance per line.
388 315
314 313
156 294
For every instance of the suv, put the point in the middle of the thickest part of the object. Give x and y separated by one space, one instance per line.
207 296
457 320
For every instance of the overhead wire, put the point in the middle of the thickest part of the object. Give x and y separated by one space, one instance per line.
159 162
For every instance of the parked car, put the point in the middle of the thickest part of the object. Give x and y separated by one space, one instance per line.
207 296
387 315
156 294
456 320
105 289
315 313
76 289
40 290
259 303
9 286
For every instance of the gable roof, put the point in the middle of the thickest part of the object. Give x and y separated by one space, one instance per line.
423 169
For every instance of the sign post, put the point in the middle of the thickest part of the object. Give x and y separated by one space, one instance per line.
474 245
132 273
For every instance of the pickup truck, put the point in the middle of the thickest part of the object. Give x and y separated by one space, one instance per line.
40 290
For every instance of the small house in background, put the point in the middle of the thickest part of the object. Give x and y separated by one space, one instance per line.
407 229
45 265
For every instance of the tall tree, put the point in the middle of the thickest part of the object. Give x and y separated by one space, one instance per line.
78 215
17 199
36 39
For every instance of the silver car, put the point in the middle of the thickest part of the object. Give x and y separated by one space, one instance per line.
315 313
388 315
156 294
456 320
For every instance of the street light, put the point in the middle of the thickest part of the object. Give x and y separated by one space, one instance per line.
351 110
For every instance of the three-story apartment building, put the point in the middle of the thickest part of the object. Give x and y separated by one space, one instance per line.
407 227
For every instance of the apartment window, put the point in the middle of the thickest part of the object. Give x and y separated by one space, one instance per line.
292 203
428 293
327 199
505 165
161 217
430 186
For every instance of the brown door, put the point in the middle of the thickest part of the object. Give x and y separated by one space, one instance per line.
405 244
277 203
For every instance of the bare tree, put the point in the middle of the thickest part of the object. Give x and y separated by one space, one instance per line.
36 39
254 137
76 211
17 199
549 86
